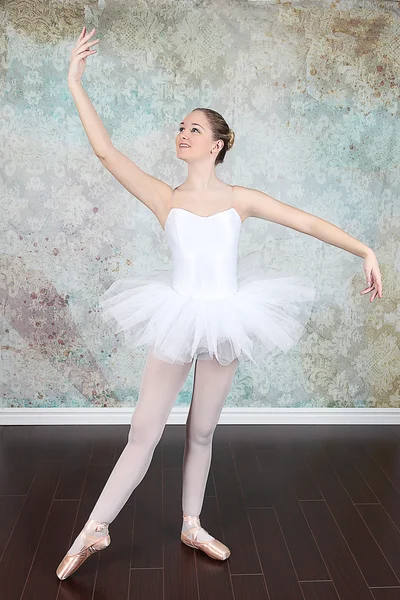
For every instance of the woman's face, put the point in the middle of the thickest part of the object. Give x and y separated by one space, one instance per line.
194 138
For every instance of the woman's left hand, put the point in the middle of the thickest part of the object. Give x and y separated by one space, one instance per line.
373 275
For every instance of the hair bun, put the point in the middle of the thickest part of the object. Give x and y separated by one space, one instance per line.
231 138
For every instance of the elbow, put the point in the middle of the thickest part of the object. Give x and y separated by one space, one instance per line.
104 153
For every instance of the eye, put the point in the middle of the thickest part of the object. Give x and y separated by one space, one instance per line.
180 129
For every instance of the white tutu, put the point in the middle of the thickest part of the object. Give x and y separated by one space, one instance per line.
270 308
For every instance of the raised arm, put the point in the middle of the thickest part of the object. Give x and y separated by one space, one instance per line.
153 192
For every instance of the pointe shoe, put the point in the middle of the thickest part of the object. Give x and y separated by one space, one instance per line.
212 548
71 562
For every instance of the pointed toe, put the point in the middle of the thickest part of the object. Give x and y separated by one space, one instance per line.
70 563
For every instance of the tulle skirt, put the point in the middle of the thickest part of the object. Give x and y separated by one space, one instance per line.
269 311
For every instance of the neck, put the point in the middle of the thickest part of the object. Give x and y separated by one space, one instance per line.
201 178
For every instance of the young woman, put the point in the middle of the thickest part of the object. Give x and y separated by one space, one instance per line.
207 309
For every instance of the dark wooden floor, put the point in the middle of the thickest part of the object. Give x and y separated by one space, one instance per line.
309 513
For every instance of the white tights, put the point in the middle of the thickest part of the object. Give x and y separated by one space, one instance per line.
160 386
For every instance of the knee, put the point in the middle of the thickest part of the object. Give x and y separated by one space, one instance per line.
200 436
145 433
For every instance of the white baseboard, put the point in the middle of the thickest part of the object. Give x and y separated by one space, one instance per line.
229 416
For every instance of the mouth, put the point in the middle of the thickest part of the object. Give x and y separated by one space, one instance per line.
184 146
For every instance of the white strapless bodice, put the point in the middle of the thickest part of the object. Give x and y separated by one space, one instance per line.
204 252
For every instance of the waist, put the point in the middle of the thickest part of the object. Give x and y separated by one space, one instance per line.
205 286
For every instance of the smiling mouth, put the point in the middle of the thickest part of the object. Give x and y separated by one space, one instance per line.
186 146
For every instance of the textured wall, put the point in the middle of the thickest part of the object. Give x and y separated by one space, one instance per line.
311 90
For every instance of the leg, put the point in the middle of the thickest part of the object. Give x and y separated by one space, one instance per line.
212 383
160 385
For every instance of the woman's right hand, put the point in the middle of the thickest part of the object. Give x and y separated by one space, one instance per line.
78 56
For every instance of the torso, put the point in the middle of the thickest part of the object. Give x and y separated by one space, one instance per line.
201 204
204 251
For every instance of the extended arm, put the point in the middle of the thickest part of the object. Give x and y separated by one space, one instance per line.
329 233
258 204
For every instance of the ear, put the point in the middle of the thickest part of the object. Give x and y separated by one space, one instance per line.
218 145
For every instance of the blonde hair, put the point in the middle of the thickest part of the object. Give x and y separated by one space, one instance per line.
231 139
220 130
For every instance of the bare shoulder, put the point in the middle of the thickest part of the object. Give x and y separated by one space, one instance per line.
255 203
242 201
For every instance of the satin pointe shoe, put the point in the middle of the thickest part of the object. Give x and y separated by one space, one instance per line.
212 548
90 544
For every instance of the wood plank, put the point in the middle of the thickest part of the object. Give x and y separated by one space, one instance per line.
113 577
287 474
180 576
20 456
344 571
280 576
362 544
213 575
319 590
42 582
237 534
385 532
146 584
10 508
20 551
249 586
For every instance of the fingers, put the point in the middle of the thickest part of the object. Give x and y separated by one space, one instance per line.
83 46
378 284
87 44
378 280
84 37
81 36
376 291
374 283
368 289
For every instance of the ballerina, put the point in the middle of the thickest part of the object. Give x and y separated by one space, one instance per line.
206 310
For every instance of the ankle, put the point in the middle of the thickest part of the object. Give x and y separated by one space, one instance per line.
190 520
96 526
92 532
191 527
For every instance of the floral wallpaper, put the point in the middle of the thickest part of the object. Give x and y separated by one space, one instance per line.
311 90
